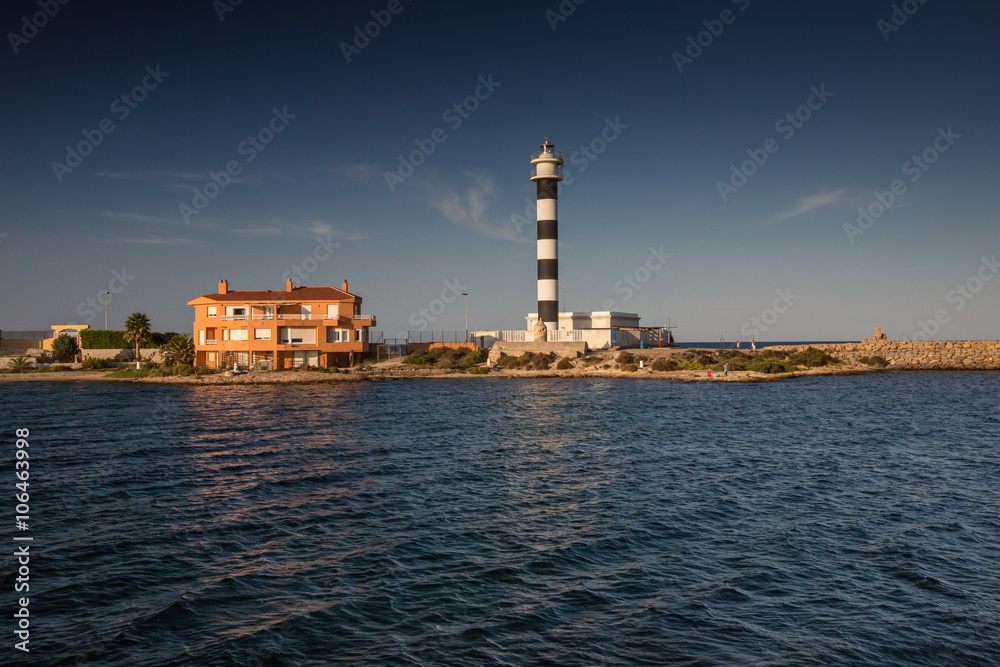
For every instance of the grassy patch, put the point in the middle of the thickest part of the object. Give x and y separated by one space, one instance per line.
691 365
813 358
126 373
876 361
663 364
446 357
564 364
629 368
478 370
625 358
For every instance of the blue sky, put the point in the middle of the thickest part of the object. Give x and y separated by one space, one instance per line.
673 117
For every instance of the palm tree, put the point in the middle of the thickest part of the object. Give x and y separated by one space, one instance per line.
137 332
179 350
19 364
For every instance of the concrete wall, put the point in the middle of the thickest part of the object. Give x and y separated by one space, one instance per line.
21 343
151 354
572 349
962 355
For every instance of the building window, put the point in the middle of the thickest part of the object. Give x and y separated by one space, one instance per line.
238 334
201 337
262 334
357 335
296 336
225 334
337 335
211 357
331 311
364 334
213 311
236 312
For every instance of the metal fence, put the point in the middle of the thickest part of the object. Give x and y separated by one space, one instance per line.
42 333
437 336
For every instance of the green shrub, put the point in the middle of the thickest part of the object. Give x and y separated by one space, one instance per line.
417 359
95 363
664 364
109 339
768 365
65 348
691 365
203 370
183 370
813 358
542 362
629 368
472 358
877 361
58 368
625 358
592 359
564 364
508 362
478 370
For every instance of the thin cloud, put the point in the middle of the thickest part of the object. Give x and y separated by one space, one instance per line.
155 241
172 180
158 220
809 204
469 209
312 229
362 172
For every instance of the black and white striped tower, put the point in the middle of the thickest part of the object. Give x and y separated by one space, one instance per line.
547 174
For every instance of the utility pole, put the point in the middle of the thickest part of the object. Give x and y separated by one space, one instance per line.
106 310
466 295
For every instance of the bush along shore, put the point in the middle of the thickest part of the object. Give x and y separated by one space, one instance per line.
712 365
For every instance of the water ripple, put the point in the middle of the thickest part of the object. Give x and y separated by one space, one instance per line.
849 520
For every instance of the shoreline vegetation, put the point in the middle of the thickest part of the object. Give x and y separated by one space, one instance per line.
678 364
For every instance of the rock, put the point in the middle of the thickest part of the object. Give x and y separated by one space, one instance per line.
877 335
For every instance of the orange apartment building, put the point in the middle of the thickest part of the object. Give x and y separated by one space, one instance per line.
279 329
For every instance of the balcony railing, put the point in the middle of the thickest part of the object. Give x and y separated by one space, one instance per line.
211 341
295 316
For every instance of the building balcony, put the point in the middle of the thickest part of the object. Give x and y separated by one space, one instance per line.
211 341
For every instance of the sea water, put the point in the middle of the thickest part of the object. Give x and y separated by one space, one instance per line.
482 521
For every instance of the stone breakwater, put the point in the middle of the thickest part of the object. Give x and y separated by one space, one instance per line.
916 355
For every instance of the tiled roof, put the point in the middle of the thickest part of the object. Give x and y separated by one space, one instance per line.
304 293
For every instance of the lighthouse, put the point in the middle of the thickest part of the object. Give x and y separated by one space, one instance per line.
547 173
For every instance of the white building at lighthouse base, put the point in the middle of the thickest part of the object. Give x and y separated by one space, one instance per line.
600 329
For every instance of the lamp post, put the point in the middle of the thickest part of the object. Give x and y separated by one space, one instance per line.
466 295
562 288
106 310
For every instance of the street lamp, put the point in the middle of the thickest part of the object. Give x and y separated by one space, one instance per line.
106 310
562 288
466 295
